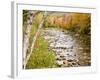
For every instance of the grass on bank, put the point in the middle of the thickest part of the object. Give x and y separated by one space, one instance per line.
42 56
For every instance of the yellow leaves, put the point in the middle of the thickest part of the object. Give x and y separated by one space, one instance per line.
58 21
80 19
79 22
38 17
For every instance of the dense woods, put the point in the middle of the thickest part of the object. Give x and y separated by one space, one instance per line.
75 22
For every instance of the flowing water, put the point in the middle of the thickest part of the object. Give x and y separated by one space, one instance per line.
69 51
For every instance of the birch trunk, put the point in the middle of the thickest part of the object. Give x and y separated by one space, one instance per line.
35 37
30 18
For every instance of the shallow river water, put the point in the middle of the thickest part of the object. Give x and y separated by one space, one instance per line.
68 49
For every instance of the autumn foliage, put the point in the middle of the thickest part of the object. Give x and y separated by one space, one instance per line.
75 22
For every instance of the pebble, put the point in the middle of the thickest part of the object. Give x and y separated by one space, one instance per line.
65 63
59 62
80 48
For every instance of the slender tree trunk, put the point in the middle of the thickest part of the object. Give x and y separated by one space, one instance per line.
30 18
35 37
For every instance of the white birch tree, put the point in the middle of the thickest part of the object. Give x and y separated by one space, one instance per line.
30 18
34 38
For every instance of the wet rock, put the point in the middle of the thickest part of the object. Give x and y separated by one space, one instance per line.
59 62
63 58
65 63
69 60
58 57
61 55
76 35
84 54
80 48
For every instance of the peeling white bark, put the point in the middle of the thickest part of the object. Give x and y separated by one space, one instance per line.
27 34
35 37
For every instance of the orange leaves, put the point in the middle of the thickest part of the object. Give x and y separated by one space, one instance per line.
60 21
78 22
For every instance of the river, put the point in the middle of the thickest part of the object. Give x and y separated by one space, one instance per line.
69 50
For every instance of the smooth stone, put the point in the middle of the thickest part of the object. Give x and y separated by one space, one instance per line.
59 62
80 48
61 55
76 35
84 54
65 63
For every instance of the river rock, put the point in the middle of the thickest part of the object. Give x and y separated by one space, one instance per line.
65 63
59 62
